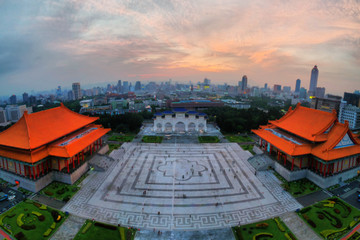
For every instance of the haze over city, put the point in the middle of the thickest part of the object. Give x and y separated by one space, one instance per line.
44 44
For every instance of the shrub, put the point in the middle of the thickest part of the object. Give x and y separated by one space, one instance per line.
49 193
305 216
36 213
262 235
305 210
128 235
11 215
278 223
20 236
60 191
291 235
47 232
312 224
87 226
337 211
262 225
28 227
111 227
43 207
19 221
37 204
56 216
53 225
66 198
320 216
41 218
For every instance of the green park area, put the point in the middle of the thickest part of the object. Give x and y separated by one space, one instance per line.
331 218
152 139
272 228
248 148
31 220
113 146
299 187
121 138
96 230
238 138
208 139
60 191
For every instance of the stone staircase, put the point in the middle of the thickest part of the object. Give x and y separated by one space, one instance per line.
261 162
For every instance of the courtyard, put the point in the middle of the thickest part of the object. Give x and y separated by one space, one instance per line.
180 187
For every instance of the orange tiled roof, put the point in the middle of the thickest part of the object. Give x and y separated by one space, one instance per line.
307 123
37 129
325 150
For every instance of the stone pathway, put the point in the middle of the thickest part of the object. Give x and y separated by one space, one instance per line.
300 229
225 233
57 204
69 228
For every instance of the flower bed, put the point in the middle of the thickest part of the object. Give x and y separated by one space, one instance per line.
31 221
209 139
96 230
268 229
331 218
60 191
152 139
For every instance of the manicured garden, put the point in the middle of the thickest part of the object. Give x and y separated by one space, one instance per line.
112 147
60 191
152 139
299 187
208 139
248 148
92 230
331 218
268 229
238 138
31 220
121 138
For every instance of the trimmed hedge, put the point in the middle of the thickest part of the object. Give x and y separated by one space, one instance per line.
19 222
110 227
88 225
47 232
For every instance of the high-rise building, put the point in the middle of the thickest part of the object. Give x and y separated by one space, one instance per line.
76 90
352 98
137 86
58 91
239 84
3 118
297 85
244 83
12 99
351 114
14 112
320 92
25 97
119 87
265 86
287 89
303 93
277 88
207 82
125 86
313 80
325 104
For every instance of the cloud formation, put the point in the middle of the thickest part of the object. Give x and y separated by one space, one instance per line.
49 43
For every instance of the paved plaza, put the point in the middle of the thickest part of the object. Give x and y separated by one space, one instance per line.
180 187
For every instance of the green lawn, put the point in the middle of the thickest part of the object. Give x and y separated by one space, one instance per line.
60 191
121 138
113 146
268 229
31 220
300 187
331 218
248 148
239 139
208 139
152 139
95 230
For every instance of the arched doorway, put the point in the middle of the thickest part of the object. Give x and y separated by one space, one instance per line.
168 127
180 127
201 127
158 127
192 127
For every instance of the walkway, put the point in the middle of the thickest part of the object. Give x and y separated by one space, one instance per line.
298 226
69 228
51 202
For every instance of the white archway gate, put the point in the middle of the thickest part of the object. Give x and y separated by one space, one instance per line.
186 121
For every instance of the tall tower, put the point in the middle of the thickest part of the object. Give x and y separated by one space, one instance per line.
76 90
297 86
244 83
313 80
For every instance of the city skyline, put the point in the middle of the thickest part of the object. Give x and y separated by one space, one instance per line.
50 44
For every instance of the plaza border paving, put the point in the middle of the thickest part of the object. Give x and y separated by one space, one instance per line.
226 193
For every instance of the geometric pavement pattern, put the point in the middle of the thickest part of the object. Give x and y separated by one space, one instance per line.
180 187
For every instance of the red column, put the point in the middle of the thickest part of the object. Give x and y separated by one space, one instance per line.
47 166
349 162
329 168
7 164
33 172
325 169
292 164
83 155
15 167
59 165
43 168
20 168
337 167
100 142
78 158
67 165
342 163
29 171
284 160
90 150
3 163
38 170
300 162
73 159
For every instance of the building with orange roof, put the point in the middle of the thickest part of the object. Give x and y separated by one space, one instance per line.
311 143
48 145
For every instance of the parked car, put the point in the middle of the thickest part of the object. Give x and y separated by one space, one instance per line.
3 196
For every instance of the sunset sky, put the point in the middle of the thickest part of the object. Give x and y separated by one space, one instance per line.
44 44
